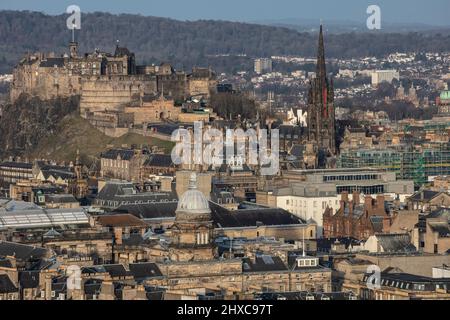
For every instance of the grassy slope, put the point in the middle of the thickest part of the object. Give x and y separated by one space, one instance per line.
75 133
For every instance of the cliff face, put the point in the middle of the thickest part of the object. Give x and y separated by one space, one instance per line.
28 120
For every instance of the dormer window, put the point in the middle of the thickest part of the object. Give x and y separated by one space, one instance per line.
303 262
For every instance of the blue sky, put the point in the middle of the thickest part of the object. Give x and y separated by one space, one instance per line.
431 12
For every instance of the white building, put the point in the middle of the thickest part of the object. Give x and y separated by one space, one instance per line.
380 76
307 202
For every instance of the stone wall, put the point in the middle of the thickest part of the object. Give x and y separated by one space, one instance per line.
113 93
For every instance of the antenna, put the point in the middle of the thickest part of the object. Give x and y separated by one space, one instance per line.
73 31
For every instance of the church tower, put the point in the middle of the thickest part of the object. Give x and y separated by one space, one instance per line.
321 113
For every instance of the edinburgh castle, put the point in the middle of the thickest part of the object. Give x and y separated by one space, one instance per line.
108 83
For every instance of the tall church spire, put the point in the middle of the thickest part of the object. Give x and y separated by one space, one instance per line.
321 114
321 71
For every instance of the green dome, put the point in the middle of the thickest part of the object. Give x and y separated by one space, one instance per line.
445 95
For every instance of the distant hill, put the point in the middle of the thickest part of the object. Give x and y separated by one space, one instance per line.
190 43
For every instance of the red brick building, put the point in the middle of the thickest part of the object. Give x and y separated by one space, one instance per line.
357 219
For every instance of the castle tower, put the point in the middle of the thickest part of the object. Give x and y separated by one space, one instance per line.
321 113
192 231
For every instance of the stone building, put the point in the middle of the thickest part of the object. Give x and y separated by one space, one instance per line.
395 283
12 172
134 165
105 81
48 76
355 219
124 164
437 234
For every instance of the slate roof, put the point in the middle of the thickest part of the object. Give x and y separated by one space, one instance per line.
114 270
324 244
155 295
439 213
56 173
15 205
377 223
427 195
120 220
263 263
60 198
6 285
51 62
442 229
158 160
21 251
396 242
29 279
21 165
223 218
142 271
406 281
126 193
125 154
59 285
93 286
150 210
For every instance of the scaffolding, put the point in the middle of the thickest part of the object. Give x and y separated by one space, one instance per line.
417 165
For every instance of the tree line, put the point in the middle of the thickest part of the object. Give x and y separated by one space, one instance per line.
192 43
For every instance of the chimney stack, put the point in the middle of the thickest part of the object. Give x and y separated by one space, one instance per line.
368 202
380 201
356 197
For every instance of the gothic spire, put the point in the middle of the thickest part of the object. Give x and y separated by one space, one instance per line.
321 68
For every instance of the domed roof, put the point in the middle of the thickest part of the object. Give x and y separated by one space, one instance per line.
193 201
